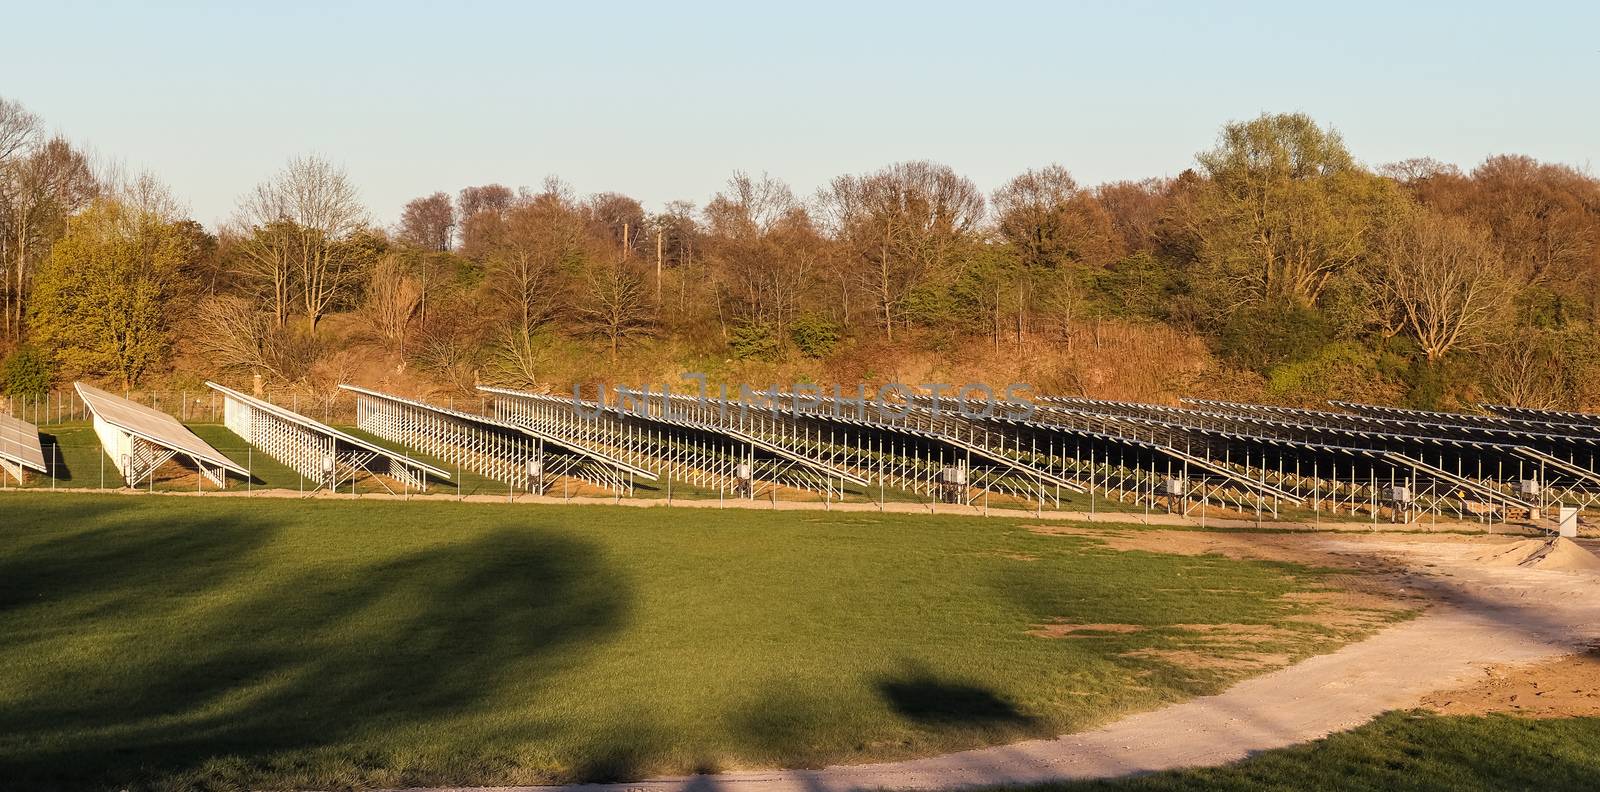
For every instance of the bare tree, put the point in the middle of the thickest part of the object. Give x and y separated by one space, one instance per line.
751 205
263 255
393 299
429 222
1546 217
615 303
1440 279
765 250
676 233
1052 226
1526 371
520 358
293 232
531 249
902 224
618 219
484 198
1052 222
478 209
19 132
1411 172
1136 209
233 333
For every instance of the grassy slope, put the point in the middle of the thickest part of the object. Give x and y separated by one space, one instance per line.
221 643
1404 752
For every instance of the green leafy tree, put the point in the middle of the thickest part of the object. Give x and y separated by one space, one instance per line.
104 299
1140 286
1284 211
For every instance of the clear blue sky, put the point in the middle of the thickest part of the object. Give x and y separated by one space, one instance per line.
665 100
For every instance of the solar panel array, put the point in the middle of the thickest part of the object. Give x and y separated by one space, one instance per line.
19 442
153 426
324 455
1348 458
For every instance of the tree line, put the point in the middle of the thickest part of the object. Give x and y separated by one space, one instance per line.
1297 264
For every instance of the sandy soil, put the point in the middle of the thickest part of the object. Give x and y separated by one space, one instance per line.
1561 688
1497 638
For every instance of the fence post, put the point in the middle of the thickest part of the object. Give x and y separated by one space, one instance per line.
55 460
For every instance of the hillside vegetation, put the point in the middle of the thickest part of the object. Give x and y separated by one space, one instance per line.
1279 267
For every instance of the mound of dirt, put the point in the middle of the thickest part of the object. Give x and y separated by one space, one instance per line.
1557 553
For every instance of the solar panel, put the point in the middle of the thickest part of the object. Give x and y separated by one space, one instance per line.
567 443
19 442
319 428
154 426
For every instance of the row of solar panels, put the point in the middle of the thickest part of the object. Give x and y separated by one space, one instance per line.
1528 431
20 443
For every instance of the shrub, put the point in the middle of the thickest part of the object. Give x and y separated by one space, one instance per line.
25 372
815 336
1343 369
753 341
1266 334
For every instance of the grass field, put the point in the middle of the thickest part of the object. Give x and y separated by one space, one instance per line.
1404 752
195 643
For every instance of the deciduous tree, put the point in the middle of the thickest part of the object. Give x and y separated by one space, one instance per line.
42 183
429 222
533 250
1052 227
394 297
614 304
901 225
105 297
1284 209
1440 279
295 231
765 250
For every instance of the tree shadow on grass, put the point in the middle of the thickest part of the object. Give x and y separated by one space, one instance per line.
176 648
920 696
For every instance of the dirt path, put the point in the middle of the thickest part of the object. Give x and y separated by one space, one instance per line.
1486 620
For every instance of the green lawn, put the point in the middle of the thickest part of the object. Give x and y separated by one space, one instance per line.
1403 752
195 643
80 462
